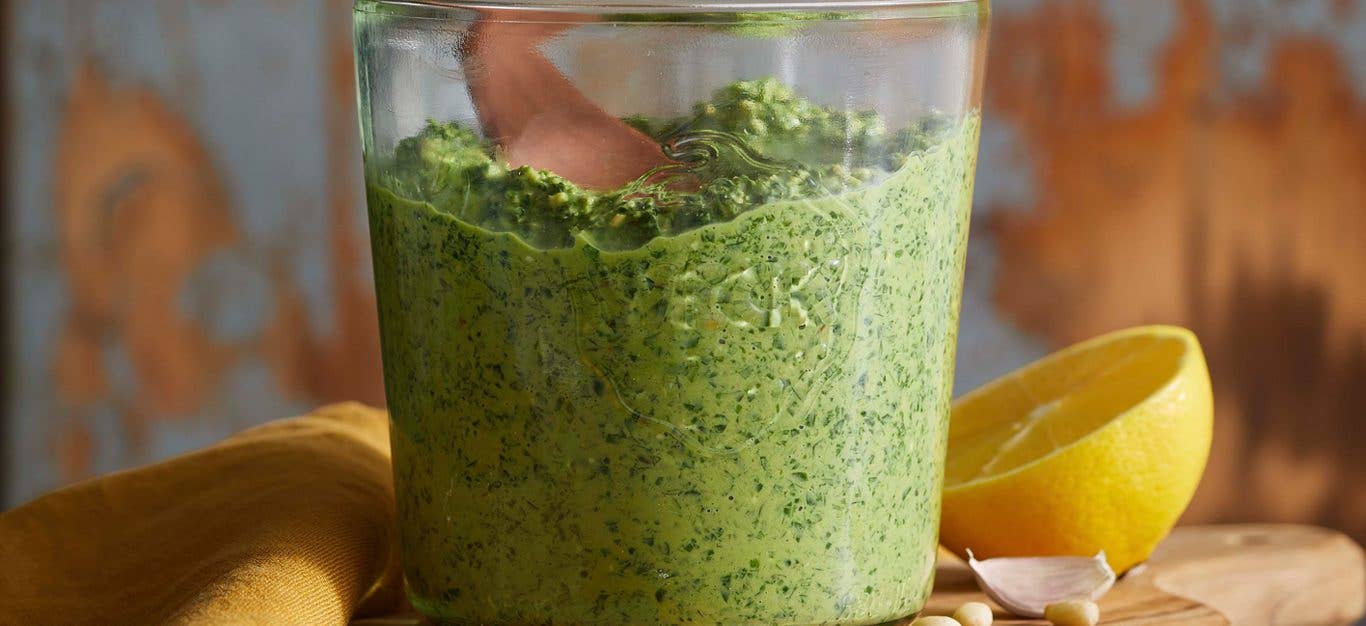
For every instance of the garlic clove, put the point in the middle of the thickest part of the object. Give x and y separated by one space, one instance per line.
1025 585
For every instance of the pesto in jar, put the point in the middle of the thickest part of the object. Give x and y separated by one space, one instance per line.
719 402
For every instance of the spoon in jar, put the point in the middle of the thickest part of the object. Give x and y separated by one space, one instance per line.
537 116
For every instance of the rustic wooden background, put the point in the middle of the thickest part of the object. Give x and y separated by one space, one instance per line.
187 256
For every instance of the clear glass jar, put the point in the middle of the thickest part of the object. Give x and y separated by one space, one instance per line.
668 297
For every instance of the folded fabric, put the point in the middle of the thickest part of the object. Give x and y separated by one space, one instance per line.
287 523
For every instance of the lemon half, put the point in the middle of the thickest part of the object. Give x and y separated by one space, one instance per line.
1097 447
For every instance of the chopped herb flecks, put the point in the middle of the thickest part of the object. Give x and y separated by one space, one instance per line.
728 406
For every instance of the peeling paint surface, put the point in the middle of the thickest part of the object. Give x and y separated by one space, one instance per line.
189 245
1252 29
1139 32
1213 180
188 236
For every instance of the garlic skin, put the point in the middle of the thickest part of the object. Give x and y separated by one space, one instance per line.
1026 585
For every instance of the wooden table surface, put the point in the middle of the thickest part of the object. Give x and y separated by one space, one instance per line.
1200 576
1208 575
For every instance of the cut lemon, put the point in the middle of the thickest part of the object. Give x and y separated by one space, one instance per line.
1096 447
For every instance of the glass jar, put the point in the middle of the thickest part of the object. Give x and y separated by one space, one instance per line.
668 299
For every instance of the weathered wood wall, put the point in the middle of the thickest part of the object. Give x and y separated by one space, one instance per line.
189 248
187 244
1205 164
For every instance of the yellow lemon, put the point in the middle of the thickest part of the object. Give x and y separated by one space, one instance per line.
1097 447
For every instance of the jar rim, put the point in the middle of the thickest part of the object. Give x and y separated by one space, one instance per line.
855 8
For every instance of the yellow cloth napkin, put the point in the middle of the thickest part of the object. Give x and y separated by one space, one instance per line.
287 523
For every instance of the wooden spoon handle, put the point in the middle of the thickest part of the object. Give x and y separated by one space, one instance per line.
537 116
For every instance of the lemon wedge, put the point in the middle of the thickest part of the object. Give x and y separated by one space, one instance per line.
1097 447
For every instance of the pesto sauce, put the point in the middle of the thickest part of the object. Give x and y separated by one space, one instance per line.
735 421
754 143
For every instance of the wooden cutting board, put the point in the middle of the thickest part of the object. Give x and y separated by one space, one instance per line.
1211 575
1200 576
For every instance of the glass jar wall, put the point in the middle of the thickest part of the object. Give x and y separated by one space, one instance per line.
668 301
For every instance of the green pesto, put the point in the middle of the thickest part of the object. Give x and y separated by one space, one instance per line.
735 416
755 143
